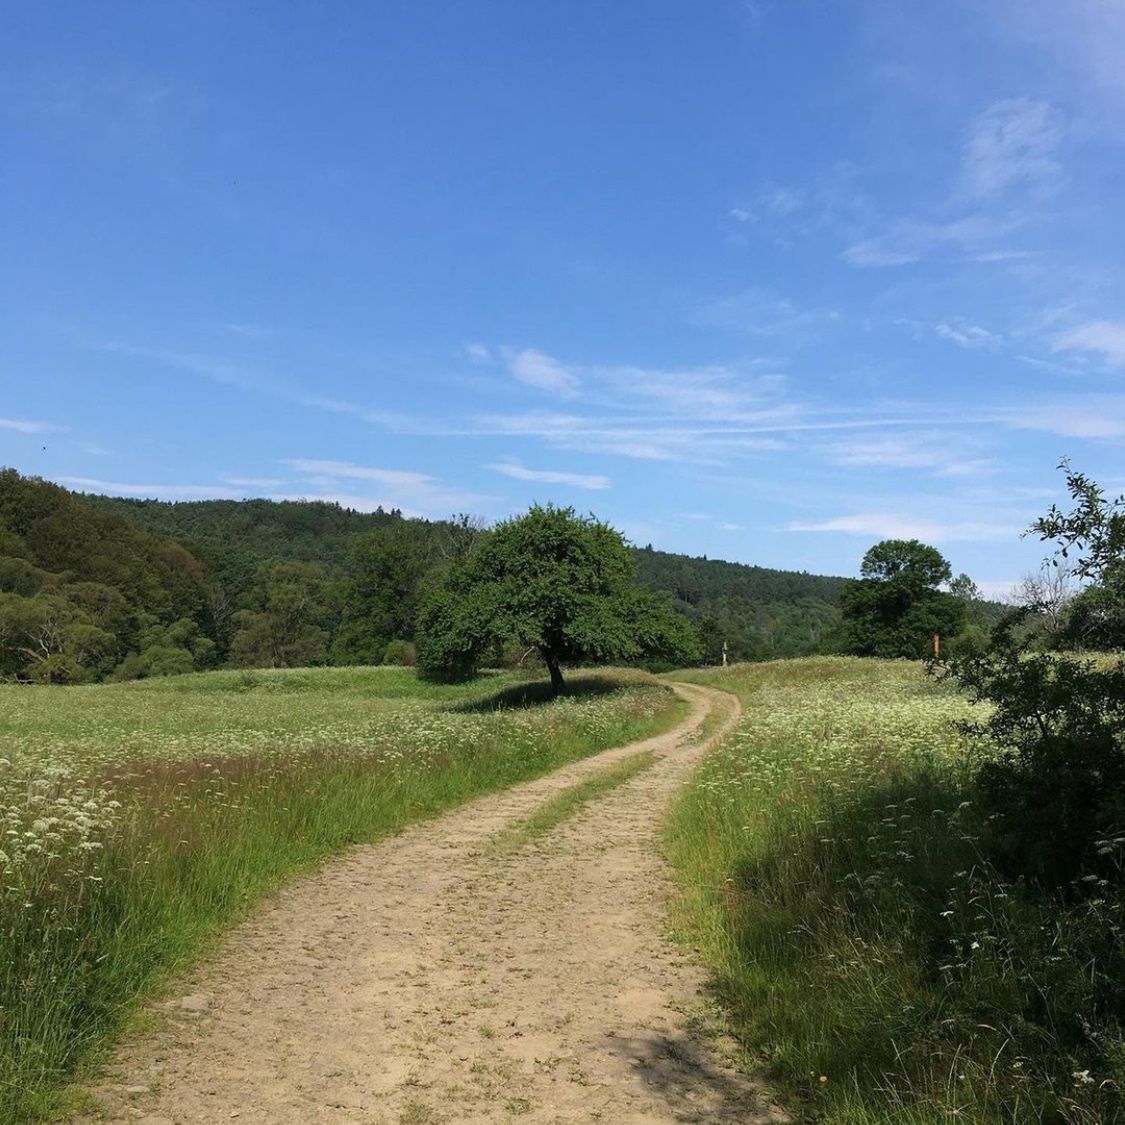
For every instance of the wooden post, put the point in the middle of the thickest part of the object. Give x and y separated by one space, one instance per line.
937 646
724 654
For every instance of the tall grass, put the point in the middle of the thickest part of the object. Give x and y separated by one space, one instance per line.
869 955
140 819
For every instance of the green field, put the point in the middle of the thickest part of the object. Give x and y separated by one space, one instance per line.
866 952
139 819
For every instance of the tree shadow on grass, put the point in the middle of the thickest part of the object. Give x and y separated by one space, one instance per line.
537 693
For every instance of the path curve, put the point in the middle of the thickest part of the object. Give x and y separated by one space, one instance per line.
427 979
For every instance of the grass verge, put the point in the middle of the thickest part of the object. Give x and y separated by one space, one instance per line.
119 866
869 956
564 805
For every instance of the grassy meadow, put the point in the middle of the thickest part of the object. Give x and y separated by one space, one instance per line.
137 820
866 951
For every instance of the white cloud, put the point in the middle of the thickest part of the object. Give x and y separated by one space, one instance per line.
550 476
1102 337
884 525
254 482
478 353
414 493
1092 416
154 491
1014 140
930 451
773 201
537 369
911 240
762 314
1085 39
26 426
227 372
966 335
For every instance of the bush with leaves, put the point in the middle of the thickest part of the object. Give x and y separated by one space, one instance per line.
1054 798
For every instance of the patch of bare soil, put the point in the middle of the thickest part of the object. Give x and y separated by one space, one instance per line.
431 979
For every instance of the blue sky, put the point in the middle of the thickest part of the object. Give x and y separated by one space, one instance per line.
765 281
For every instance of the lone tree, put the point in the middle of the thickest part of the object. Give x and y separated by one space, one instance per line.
554 581
896 606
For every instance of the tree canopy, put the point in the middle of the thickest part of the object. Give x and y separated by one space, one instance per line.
1091 544
896 607
558 583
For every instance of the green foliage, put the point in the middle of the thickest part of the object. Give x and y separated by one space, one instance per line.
1055 796
895 608
761 614
285 619
556 581
387 569
81 592
1095 618
869 953
400 653
375 571
1093 531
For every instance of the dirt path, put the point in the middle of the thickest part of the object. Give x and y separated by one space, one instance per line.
428 979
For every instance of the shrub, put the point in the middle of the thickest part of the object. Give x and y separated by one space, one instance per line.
401 653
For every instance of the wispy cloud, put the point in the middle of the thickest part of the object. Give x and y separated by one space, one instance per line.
934 452
232 373
216 368
478 353
27 426
773 201
762 314
254 482
911 240
1077 416
1014 141
884 525
1012 144
543 372
1105 338
517 471
967 335
161 491
413 492
1085 39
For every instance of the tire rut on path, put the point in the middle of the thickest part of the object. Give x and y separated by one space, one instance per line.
429 979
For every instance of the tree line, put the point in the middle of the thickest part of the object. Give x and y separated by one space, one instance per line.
96 587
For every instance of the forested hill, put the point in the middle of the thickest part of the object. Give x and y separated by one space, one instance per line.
760 613
234 536
96 586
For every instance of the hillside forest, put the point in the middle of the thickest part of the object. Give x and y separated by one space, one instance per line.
98 587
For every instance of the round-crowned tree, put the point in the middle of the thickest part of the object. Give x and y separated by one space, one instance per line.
554 581
896 607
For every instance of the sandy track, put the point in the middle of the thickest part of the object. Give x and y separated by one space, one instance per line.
429 979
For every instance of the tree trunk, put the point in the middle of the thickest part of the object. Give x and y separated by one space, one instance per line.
558 686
